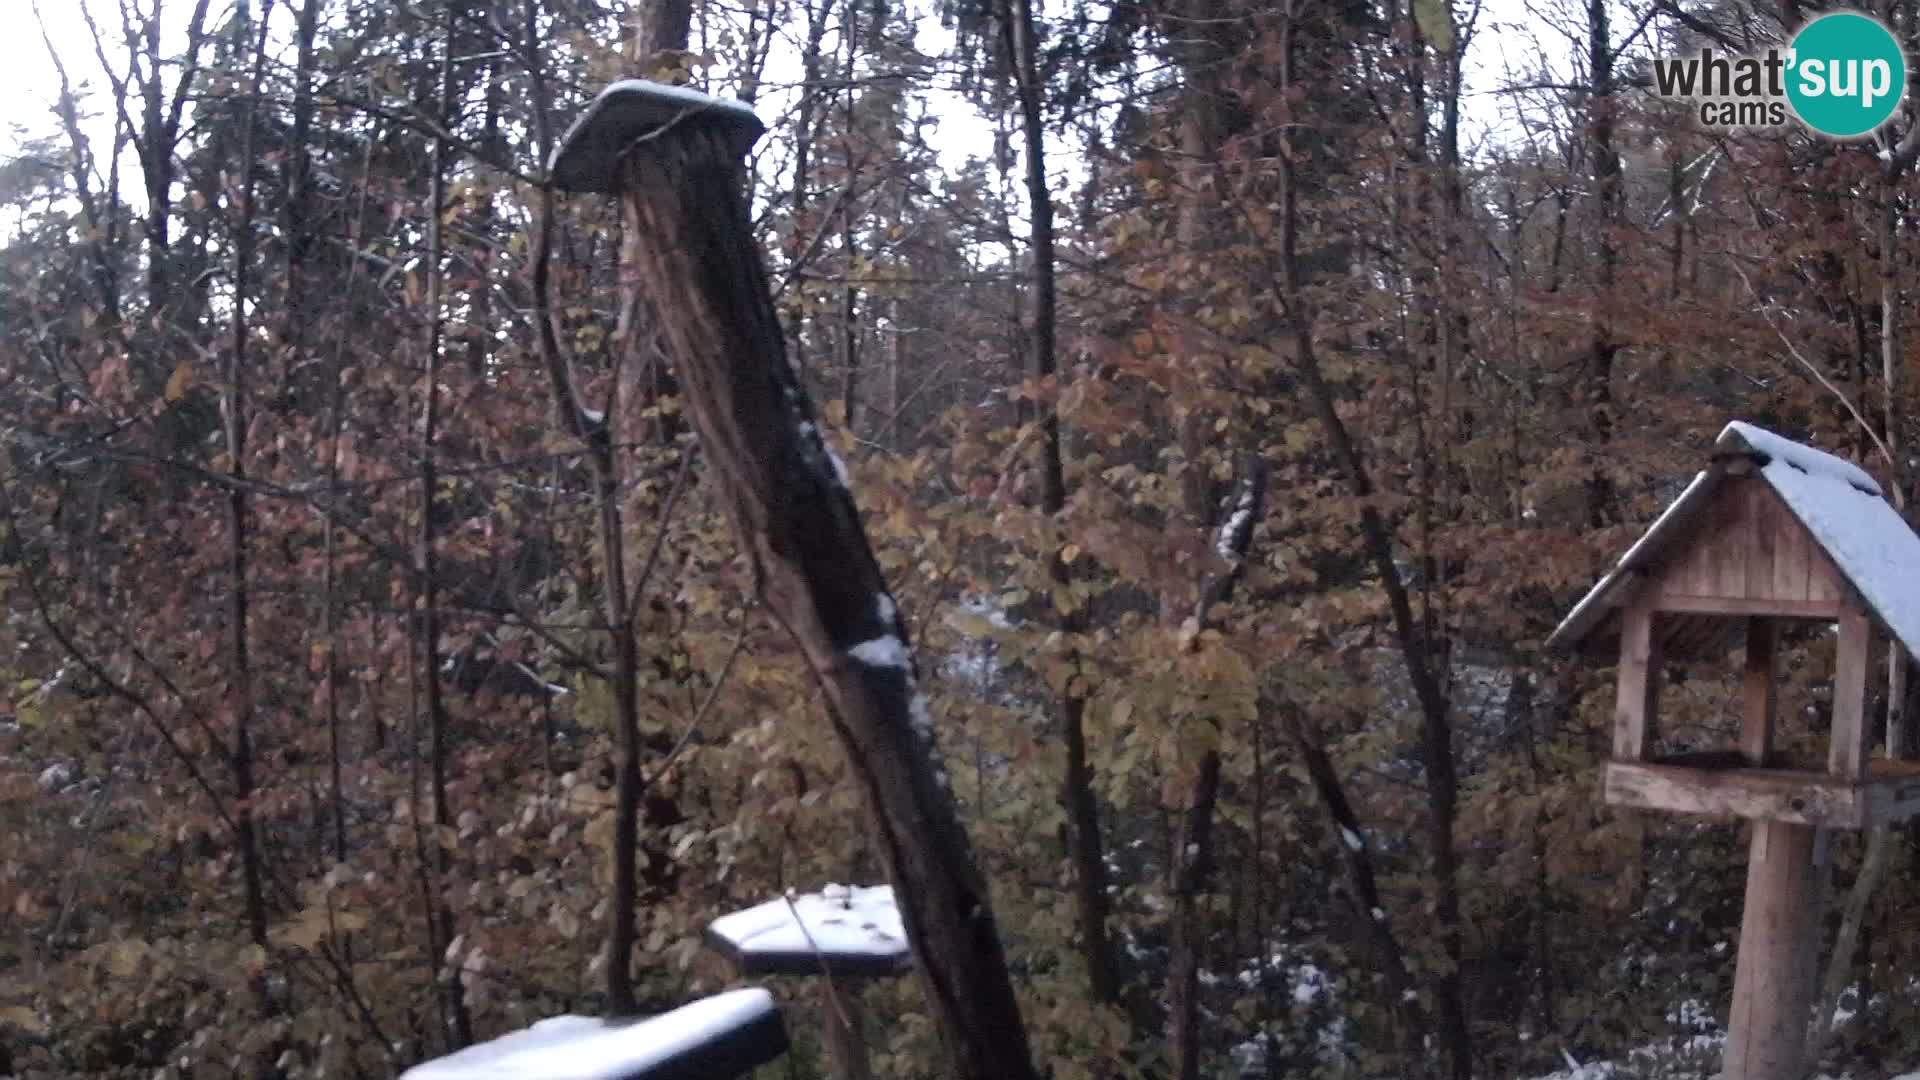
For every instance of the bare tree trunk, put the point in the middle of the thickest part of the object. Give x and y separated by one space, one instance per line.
665 28
1192 865
1879 847
426 568
596 432
1086 849
786 493
480 327
159 135
1436 726
240 673
1357 856
1606 184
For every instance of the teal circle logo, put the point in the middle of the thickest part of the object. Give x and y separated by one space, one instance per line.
1846 74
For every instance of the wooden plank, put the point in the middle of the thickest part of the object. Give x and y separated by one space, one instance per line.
1791 546
1694 571
1767 1025
1754 794
843 1029
1733 540
1763 532
1757 693
1724 605
1823 581
1637 689
1847 753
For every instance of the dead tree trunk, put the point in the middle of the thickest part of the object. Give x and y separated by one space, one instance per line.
676 159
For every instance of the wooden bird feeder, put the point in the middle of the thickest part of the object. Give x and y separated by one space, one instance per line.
1769 534
844 935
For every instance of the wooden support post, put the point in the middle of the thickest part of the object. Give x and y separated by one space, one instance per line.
1637 697
690 253
1757 693
843 1030
1773 983
1847 752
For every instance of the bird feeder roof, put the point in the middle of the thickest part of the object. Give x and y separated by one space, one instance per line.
725 1035
630 111
843 930
1840 507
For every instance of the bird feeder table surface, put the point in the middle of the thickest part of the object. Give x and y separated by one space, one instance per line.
1722 785
844 930
633 110
726 1035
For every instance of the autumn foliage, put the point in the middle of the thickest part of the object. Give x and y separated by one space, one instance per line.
310 743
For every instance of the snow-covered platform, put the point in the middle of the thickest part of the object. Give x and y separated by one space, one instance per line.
723 1036
631 111
845 930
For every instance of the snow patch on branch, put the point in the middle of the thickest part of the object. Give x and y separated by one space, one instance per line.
812 439
1350 838
885 651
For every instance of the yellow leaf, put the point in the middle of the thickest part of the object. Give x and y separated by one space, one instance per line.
23 1018
123 957
180 381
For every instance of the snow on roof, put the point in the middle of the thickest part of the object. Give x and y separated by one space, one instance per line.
720 1036
1841 507
1740 436
1867 539
588 157
847 930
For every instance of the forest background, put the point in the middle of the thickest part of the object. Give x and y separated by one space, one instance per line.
318 704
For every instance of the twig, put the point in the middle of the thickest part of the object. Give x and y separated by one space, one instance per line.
713 694
833 991
1766 312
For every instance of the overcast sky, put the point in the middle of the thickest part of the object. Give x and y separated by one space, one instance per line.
1515 39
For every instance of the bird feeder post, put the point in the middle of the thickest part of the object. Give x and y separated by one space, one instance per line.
1773 977
1779 923
1770 534
844 1028
843 937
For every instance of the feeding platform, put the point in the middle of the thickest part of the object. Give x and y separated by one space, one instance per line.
722 1036
632 111
1772 533
845 934
843 930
